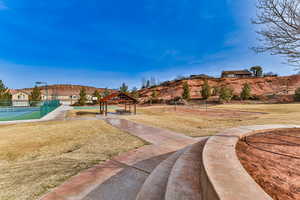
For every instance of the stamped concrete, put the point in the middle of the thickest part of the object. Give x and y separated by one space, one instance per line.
155 186
185 178
122 177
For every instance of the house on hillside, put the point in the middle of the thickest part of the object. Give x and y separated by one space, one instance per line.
200 76
236 74
20 98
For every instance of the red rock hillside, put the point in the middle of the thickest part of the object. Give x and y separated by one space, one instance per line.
260 86
66 90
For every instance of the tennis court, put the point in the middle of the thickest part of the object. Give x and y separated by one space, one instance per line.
11 113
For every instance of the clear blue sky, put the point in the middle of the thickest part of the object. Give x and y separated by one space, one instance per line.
103 43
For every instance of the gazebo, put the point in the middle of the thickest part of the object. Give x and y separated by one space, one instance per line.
118 98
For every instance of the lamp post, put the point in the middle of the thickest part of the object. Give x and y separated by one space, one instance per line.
46 87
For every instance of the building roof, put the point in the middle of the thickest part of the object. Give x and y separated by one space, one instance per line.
237 72
119 97
13 92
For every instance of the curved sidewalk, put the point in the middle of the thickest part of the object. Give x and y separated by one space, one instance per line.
122 177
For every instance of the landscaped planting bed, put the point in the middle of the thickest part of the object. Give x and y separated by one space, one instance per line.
272 158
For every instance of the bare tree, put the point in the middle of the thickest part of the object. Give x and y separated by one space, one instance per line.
281 28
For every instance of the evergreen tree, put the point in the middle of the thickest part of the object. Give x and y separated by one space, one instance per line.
206 90
226 94
82 97
297 94
246 92
186 91
35 96
124 88
5 96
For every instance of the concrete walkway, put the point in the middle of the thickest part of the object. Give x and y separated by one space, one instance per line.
122 177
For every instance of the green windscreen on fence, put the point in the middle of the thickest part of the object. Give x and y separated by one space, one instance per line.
48 106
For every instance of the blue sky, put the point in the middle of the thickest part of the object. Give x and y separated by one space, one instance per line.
103 43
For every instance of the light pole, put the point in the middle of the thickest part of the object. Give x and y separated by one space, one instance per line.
46 87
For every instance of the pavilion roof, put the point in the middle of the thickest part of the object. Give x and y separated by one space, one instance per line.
118 96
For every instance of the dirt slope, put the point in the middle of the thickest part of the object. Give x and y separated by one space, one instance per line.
260 86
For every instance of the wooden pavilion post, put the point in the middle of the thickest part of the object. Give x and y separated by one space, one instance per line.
134 108
105 108
100 107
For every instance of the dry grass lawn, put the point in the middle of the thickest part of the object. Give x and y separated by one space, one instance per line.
36 157
84 113
197 122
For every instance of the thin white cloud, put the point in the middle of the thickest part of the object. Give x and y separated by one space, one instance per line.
3 5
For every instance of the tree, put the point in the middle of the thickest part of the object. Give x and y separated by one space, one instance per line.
35 96
279 34
257 71
143 83
106 92
297 94
206 90
153 96
82 97
246 92
134 92
215 91
124 88
97 95
5 96
226 94
152 81
148 84
186 91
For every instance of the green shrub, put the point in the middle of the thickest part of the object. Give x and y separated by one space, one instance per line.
246 92
215 91
186 91
226 94
297 94
206 90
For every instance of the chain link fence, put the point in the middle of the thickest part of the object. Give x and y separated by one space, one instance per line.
23 110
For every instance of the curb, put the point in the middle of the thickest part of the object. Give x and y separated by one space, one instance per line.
224 176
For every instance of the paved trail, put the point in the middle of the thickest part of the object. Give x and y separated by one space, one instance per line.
122 177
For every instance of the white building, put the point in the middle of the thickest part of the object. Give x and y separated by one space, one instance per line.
20 98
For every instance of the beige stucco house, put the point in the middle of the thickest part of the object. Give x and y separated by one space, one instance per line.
19 98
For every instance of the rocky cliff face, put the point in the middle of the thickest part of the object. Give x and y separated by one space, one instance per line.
260 86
